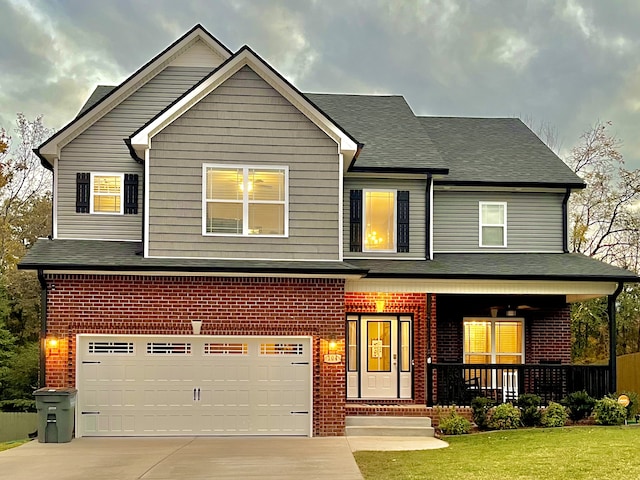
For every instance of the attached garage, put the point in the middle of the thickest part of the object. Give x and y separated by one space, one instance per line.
193 385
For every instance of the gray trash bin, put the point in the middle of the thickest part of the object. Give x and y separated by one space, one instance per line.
56 414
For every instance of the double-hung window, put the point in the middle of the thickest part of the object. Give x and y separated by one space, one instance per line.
494 340
379 220
493 224
245 200
107 191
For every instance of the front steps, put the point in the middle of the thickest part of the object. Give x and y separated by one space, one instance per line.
388 426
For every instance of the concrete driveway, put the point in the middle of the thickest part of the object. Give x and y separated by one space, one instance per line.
193 458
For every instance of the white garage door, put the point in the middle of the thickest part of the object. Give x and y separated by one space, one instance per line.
193 385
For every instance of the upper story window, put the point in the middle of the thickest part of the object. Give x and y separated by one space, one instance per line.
107 193
493 224
245 201
379 220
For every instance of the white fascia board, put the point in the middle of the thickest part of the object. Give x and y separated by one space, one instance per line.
489 287
142 140
51 149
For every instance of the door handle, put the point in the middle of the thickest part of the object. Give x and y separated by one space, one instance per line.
194 394
198 393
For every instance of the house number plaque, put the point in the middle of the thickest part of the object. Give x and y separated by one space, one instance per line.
332 358
376 348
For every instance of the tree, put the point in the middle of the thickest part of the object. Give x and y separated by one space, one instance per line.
604 224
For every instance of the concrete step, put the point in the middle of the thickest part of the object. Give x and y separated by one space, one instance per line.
384 426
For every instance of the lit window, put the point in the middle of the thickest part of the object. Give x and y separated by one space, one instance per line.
106 193
245 201
379 220
494 341
493 224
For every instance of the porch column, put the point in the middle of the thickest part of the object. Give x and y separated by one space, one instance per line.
613 341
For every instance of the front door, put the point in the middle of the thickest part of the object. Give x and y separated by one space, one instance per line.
379 361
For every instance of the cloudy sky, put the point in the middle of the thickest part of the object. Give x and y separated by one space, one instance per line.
563 63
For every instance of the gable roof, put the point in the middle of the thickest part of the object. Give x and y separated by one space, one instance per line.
393 137
141 139
98 94
50 149
496 150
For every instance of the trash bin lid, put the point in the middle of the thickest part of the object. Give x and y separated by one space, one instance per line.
56 391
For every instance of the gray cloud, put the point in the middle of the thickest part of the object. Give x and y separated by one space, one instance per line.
567 63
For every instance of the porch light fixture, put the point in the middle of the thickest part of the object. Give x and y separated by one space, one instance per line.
511 312
333 344
52 346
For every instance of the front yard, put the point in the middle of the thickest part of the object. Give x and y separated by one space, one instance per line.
576 453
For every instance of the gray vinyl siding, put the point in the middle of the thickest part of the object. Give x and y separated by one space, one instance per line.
244 121
101 149
417 215
534 221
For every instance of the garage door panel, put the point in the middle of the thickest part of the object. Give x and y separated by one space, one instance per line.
200 385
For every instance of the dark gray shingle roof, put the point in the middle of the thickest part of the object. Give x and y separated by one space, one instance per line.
515 266
391 133
495 150
98 94
127 256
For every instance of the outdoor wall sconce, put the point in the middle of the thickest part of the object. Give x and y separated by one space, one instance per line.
380 306
333 344
196 325
52 346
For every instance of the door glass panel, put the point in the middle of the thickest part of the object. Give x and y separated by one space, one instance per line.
379 346
405 347
508 337
478 341
352 343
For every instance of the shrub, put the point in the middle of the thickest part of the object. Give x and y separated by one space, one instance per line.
609 412
505 417
481 407
580 405
634 407
529 405
19 405
555 415
454 424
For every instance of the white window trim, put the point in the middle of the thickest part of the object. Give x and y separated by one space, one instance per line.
493 321
503 225
245 199
364 220
92 193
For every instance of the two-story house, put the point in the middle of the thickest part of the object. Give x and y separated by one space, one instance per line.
233 256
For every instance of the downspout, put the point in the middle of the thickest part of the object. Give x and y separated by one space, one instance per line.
429 382
42 375
613 333
565 221
427 213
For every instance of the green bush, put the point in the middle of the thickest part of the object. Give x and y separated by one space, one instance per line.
529 405
454 424
609 412
555 415
580 405
634 407
504 417
481 407
20 405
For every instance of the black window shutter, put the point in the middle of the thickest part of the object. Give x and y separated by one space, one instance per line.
83 183
402 219
130 193
355 220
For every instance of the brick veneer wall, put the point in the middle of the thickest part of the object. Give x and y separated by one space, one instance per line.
228 306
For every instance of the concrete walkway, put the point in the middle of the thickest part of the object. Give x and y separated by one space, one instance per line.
193 458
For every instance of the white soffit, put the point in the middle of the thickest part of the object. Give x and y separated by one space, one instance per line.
141 141
51 149
579 290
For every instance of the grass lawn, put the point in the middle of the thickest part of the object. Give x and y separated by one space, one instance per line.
577 453
14 443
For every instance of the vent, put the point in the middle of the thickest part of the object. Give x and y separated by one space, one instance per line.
111 348
281 349
158 348
225 349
